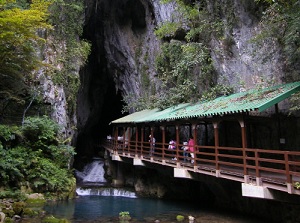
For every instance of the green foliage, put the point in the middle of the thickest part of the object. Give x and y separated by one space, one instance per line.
45 175
20 23
52 219
124 216
185 70
23 26
197 22
295 102
280 25
5 132
167 29
41 159
216 91
12 193
67 18
40 132
124 213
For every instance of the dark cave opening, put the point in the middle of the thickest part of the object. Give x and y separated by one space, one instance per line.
98 101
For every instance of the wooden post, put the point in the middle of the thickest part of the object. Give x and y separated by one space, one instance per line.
244 146
116 143
289 182
136 140
177 142
152 149
123 141
216 134
163 142
194 131
142 140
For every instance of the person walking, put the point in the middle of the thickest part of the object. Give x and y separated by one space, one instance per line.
172 148
152 144
191 146
185 150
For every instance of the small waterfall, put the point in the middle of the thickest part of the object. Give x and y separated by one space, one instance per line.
91 181
92 174
116 192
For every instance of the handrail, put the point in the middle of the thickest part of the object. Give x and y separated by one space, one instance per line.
279 167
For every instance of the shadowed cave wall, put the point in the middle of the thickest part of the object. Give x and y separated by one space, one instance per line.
123 46
98 100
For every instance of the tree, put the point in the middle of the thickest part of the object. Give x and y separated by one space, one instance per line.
20 23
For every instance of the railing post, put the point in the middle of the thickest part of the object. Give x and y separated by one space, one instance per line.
123 141
244 146
289 182
136 140
152 146
163 143
116 143
216 134
127 138
196 145
177 142
142 140
257 172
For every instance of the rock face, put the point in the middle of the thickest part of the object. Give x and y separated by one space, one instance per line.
237 59
124 48
123 51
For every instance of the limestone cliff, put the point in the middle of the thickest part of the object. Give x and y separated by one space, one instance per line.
124 49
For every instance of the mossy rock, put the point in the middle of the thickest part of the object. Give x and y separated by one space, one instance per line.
28 212
35 201
8 220
52 219
18 207
179 218
8 212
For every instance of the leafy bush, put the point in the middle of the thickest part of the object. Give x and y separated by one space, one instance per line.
41 159
40 132
46 176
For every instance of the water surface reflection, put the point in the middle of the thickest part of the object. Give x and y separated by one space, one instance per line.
107 208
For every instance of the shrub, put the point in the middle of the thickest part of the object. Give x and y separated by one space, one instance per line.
41 159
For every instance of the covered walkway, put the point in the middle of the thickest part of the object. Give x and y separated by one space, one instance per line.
240 137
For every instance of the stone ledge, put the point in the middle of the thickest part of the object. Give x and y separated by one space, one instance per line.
250 190
182 173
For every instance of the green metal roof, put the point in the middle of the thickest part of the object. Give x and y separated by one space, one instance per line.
253 100
132 118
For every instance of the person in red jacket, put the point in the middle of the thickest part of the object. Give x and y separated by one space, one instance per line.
191 145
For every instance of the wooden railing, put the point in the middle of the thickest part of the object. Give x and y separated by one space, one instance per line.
272 168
